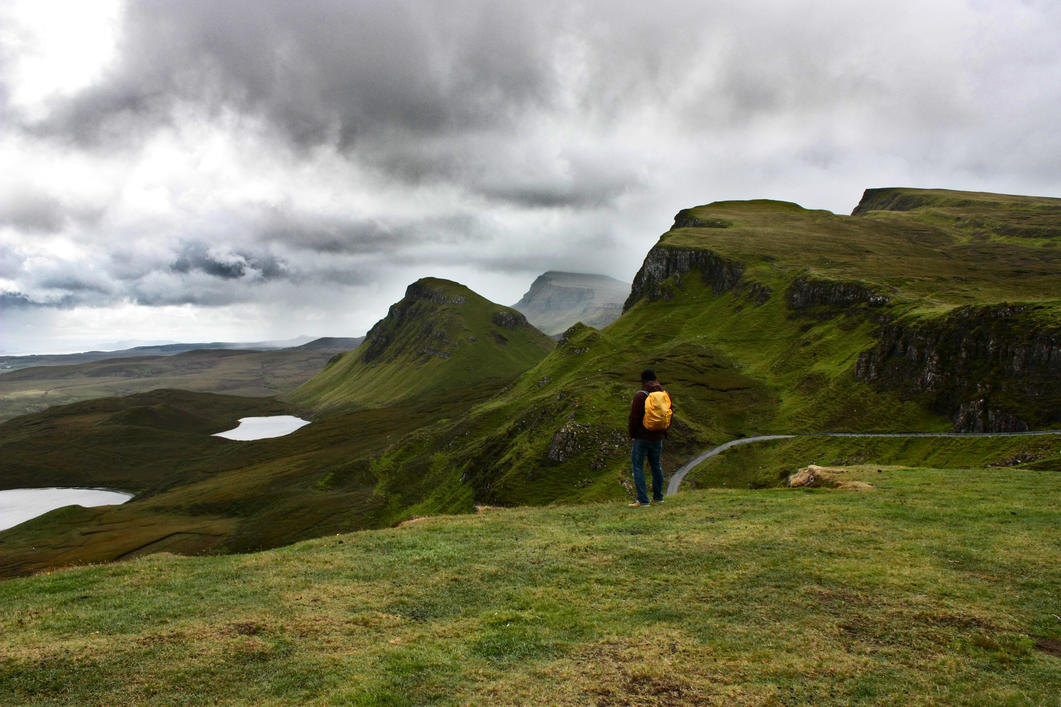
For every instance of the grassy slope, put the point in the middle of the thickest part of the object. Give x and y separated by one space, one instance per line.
938 587
245 373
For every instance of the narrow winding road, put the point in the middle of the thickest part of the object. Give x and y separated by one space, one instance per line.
679 475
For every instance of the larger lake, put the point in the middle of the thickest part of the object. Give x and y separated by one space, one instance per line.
19 505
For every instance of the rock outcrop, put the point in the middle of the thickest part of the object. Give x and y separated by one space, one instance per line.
412 318
806 293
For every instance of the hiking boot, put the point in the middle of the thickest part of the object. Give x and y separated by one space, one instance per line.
657 500
635 504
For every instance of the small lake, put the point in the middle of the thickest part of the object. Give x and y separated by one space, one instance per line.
263 427
19 505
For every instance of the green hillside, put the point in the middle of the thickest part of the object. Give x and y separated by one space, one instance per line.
936 587
440 339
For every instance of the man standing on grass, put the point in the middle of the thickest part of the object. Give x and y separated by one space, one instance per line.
648 431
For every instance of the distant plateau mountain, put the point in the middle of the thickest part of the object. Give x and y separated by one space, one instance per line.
556 300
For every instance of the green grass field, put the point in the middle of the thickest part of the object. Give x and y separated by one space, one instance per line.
936 587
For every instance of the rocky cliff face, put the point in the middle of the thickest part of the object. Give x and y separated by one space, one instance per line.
806 293
557 300
988 369
412 312
664 262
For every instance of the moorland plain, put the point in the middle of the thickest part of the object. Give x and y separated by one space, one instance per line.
230 372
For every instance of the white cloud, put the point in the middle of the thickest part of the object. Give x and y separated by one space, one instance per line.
53 48
194 159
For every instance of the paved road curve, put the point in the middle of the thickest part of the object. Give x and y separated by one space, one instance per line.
676 479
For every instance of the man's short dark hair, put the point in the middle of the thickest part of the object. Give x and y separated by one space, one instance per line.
648 375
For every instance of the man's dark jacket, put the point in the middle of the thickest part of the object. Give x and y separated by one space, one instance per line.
635 427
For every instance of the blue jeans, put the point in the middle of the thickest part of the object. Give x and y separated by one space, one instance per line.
653 450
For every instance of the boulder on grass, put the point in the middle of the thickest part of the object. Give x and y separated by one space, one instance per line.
814 476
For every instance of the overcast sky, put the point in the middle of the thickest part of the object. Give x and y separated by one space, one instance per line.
195 170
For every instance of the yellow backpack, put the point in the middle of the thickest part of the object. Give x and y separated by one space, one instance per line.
658 411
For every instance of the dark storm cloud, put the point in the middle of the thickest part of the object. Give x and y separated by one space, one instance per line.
74 285
322 72
351 236
32 212
581 191
420 92
19 301
227 264
13 300
329 234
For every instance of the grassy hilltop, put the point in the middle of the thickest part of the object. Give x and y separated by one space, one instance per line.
925 310
938 587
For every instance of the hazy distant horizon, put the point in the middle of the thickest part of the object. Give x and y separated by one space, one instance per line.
124 345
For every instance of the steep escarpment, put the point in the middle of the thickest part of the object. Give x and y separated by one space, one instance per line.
987 369
411 326
873 285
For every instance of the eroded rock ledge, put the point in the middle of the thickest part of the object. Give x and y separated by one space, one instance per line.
805 293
